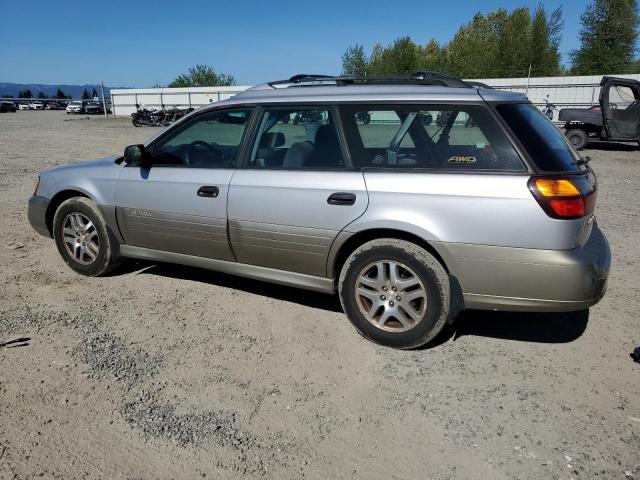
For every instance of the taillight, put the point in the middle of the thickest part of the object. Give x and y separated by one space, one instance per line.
567 197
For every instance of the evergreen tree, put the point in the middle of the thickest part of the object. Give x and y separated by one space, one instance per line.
60 95
608 38
85 95
41 94
496 44
94 94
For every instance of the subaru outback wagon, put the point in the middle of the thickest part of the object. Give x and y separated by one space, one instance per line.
412 198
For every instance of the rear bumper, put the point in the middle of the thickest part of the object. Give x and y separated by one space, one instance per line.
37 214
520 279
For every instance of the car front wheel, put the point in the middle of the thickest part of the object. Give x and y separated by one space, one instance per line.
82 239
395 293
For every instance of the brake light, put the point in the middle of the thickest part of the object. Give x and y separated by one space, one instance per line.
566 198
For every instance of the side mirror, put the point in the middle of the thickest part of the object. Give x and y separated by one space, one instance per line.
136 156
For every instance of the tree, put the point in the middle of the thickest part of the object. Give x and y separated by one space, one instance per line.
496 44
608 38
41 94
354 62
85 95
60 95
203 76
25 94
94 94
545 42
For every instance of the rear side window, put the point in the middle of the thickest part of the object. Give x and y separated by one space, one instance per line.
545 144
297 138
445 137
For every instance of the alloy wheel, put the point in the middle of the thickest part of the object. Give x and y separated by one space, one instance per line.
391 296
80 238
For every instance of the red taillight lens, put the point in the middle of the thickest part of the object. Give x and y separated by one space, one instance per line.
569 197
573 208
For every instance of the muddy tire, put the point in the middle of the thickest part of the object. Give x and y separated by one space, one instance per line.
395 293
81 236
577 138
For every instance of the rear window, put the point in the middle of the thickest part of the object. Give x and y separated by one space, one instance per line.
544 142
441 137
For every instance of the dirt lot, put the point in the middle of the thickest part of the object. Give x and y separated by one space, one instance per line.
162 371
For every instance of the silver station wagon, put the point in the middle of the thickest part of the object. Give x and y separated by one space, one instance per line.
412 198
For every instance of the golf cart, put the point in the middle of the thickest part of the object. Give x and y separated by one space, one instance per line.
616 119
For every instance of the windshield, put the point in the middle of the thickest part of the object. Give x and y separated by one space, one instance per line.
76 103
545 144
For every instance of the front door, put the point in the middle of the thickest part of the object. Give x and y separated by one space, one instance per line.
622 111
296 194
179 204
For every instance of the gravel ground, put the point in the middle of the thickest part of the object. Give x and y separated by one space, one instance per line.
163 371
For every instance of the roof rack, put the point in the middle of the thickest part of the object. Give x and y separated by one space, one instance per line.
418 78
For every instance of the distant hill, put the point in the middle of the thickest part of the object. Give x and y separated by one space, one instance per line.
50 90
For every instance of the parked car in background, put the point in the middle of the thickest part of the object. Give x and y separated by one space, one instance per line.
24 106
76 107
54 106
37 106
7 107
93 108
408 220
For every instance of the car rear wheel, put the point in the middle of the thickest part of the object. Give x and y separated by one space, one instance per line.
395 293
577 138
81 236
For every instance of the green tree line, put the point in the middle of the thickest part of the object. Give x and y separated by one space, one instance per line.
511 44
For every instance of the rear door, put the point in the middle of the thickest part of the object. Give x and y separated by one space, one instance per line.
296 192
179 204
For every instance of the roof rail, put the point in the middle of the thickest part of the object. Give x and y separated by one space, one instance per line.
418 78
303 78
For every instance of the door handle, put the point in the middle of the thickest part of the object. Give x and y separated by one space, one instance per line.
341 198
208 191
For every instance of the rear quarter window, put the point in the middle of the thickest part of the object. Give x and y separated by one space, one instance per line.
428 136
542 140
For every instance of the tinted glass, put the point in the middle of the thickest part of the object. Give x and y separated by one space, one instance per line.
545 144
210 140
296 138
452 137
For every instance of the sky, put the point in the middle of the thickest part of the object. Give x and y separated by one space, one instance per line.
144 43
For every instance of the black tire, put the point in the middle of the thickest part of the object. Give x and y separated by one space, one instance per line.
104 260
135 122
434 282
577 138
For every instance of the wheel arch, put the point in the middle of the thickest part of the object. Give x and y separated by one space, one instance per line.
56 201
350 244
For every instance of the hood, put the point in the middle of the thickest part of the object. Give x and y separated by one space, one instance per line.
91 164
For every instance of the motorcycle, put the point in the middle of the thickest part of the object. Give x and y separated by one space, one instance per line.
549 109
144 116
156 118
363 117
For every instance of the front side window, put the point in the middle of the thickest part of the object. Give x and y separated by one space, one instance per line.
456 137
210 140
297 138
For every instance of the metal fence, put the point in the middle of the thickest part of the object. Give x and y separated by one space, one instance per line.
124 101
570 91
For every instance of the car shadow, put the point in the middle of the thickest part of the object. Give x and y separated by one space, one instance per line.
613 146
545 327
307 298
